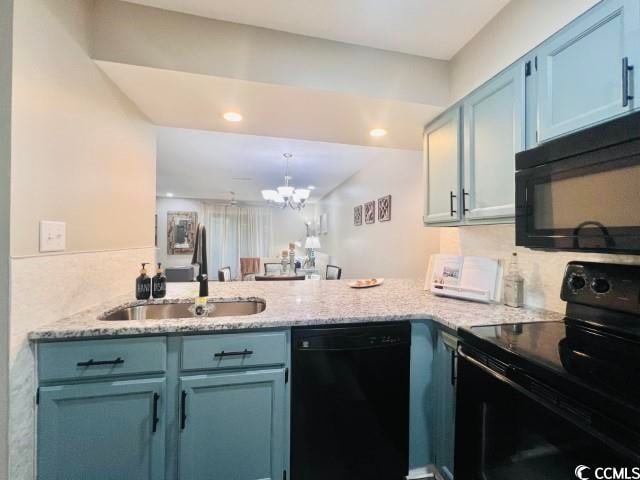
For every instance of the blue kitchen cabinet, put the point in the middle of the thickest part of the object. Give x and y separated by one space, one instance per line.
444 374
102 431
442 154
421 395
494 131
233 425
583 77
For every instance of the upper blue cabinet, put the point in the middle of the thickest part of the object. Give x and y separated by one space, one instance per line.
442 154
469 154
585 74
586 71
494 123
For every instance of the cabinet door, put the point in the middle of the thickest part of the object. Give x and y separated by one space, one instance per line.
581 76
102 431
442 168
233 426
494 119
444 374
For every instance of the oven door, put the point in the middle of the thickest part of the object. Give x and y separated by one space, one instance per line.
588 202
504 431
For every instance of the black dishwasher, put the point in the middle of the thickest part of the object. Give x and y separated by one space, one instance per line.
350 402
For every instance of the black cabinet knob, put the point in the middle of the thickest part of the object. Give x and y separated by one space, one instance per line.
576 282
600 285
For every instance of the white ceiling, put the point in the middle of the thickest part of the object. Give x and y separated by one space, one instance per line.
186 100
430 28
200 164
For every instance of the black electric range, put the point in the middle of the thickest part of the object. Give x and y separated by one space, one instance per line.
559 399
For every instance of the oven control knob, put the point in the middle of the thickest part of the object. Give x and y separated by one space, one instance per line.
576 282
600 285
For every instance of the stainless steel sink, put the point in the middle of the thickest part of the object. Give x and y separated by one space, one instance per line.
186 310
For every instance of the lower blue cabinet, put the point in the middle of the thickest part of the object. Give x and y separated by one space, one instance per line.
233 426
102 431
444 412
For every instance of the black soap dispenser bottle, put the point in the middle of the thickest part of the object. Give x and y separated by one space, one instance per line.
159 284
143 284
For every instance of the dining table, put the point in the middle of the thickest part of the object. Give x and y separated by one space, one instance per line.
279 277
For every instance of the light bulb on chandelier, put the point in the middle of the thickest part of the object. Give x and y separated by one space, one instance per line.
287 195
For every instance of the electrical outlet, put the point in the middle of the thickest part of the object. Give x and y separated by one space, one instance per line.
53 236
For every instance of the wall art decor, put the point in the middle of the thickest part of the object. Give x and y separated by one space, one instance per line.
357 215
370 212
181 232
384 208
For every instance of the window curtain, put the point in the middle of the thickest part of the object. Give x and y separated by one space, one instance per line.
234 232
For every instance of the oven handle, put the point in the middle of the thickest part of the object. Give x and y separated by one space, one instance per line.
486 369
550 406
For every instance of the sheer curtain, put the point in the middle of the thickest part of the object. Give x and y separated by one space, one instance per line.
234 232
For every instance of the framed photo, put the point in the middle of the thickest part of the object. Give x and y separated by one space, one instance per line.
370 212
384 209
181 232
357 216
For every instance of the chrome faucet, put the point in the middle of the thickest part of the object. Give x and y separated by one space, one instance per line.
200 259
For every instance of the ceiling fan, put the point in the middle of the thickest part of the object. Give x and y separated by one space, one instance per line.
232 202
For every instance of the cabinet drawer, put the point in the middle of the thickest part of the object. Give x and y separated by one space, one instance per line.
233 350
101 358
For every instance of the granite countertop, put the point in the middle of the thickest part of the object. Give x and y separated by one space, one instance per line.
294 304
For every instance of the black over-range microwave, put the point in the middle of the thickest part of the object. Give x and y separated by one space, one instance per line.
582 192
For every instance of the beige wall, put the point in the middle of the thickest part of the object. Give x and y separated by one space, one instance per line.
6 20
74 156
139 35
81 153
518 28
399 248
288 226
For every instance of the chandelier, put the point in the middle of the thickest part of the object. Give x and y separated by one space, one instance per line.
286 195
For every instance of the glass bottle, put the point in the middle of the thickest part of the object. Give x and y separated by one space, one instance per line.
514 284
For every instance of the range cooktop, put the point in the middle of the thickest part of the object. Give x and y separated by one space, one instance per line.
596 347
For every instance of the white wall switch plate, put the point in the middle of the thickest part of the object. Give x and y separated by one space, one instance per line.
53 236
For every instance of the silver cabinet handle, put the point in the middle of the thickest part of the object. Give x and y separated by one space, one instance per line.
626 72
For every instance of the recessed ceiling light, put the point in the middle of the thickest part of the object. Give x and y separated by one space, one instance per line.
311 187
169 194
378 132
232 117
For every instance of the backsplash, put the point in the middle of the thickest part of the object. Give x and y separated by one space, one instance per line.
542 271
44 289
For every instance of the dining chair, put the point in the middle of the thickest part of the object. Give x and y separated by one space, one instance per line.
249 267
272 269
224 274
275 278
333 272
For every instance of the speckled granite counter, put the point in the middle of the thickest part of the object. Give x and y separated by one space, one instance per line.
297 303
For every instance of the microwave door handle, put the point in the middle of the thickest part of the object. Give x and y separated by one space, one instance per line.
608 239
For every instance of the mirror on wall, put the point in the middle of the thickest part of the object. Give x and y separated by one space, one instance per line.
181 232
